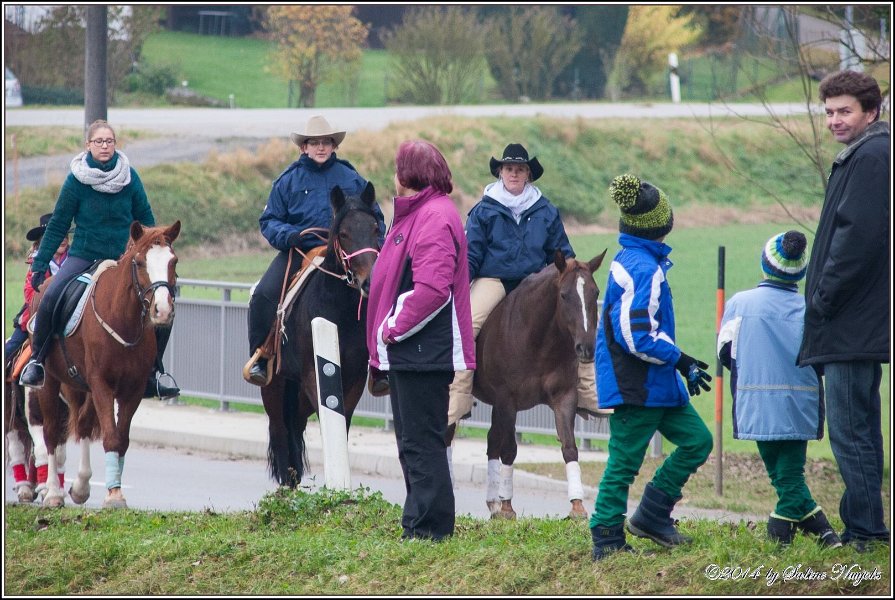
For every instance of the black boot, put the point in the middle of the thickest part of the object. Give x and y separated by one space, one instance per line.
608 540
817 524
652 519
32 375
781 530
154 386
258 372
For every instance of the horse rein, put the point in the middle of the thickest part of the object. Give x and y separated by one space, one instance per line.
142 298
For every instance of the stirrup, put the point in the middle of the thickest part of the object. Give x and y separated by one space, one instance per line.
248 367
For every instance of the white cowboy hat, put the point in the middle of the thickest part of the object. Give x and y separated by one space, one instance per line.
317 127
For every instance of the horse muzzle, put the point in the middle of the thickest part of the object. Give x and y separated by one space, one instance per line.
585 352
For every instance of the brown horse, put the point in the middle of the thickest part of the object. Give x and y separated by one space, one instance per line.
109 355
527 353
335 291
19 447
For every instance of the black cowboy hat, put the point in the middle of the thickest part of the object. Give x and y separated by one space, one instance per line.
517 154
35 233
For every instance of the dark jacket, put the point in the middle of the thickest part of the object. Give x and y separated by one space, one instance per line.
501 248
300 199
847 300
102 220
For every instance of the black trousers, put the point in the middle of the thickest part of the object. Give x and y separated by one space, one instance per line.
419 406
266 297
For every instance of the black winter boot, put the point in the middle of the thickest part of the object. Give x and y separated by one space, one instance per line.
154 386
608 540
781 530
817 524
652 519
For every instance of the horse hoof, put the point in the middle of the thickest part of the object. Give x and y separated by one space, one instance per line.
53 501
25 494
493 506
509 515
114 503
79 497
578 511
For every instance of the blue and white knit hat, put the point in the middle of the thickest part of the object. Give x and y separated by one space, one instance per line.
783 258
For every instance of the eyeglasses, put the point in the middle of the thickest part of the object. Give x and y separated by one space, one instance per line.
100 143
315 143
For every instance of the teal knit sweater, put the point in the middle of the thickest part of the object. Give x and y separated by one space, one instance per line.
102 221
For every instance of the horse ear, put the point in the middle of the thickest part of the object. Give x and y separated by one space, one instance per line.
369 194
136 230
594 263
559 260
337 199
172 232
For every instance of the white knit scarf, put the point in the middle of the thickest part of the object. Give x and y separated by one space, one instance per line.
517 204
108 182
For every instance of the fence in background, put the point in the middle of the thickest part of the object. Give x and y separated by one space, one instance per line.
209 346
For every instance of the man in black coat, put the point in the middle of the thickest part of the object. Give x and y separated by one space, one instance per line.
847 300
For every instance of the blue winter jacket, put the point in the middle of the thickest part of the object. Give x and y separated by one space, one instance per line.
636 352
501 248
300 198
773 399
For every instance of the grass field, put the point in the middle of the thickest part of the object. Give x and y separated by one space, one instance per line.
218 66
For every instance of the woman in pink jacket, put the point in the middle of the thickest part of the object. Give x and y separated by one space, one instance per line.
419 330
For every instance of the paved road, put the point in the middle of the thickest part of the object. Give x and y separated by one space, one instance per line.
191 133
157 478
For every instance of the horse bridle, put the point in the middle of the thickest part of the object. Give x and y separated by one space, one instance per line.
142 297
348 277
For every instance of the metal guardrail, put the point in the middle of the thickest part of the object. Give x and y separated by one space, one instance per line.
209 346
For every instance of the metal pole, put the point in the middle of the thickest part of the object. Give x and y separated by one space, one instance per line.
95 76
719 382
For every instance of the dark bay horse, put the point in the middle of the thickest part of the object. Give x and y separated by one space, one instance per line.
527 353
335 291
107 360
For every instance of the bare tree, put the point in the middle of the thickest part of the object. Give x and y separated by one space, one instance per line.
776 36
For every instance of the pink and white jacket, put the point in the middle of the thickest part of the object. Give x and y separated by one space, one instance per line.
418 314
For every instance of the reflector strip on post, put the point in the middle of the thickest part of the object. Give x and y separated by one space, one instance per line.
330 404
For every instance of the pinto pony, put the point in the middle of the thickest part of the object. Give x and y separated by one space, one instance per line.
107 360
527 353
336 291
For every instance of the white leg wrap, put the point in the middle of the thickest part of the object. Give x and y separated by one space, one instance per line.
573 477
40 448
450 458
506 482
493 481
15 449
60 458
53 487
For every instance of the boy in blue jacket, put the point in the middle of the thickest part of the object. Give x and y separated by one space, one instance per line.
775 402
638 365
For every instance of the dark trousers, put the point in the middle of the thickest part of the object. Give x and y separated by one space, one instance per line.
266 297
419 407
855 425
43 326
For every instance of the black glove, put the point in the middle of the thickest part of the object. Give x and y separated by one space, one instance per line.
37 278
294 239
693 373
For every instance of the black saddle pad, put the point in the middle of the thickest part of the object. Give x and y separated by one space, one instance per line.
70 296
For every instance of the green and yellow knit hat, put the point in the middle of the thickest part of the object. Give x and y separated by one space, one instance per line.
646 212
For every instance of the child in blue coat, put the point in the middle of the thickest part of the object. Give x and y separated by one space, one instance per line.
775 402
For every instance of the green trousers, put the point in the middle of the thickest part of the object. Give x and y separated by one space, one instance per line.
630 430
785 462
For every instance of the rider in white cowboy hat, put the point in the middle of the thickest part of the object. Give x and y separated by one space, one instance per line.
299 199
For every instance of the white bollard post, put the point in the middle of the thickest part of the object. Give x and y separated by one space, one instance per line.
674 78
331 406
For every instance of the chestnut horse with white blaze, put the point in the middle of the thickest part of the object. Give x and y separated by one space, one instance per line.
108 358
